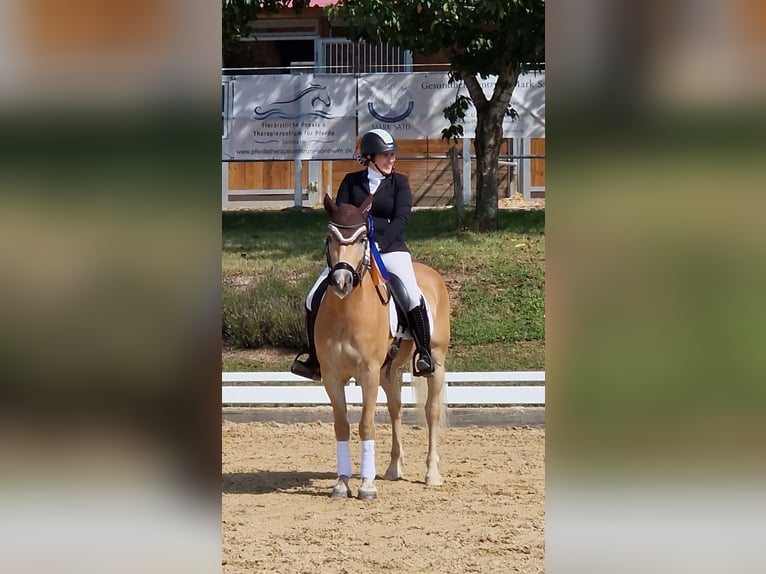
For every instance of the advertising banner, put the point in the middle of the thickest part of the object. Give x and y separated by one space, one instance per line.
308 116
410 105
287 117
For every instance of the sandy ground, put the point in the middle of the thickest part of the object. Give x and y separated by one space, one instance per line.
487 517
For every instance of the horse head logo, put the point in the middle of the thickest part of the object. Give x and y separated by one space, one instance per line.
310 102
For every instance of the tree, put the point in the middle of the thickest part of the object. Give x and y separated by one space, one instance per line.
480 38
237 13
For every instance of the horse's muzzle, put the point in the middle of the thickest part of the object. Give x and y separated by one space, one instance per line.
343 279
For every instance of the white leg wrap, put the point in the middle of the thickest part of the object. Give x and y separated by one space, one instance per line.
344 458
368 459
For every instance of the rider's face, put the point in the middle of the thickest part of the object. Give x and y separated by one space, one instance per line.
384 162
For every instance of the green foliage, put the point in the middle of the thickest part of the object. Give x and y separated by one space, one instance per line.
479 36
268 313
496 281
455 113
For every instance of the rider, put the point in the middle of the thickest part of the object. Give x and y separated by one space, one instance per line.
391 208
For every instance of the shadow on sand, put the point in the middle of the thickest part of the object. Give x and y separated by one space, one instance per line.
267 481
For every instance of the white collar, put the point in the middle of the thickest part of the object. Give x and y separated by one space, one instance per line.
375 180
373 175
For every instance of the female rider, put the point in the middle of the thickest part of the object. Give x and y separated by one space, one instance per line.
391 208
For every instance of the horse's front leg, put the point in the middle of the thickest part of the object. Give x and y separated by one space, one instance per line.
368 380
337 394
394 401
434 404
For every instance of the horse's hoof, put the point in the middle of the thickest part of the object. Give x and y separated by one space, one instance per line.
371 494
393 474
341 489
434 480
340 492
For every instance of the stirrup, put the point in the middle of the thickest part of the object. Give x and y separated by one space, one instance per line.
306 370
423 366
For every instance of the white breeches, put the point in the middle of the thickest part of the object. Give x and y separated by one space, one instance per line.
399 263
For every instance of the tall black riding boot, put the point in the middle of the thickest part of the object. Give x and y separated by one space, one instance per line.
310 367
423 364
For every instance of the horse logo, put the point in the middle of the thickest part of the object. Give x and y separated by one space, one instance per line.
315 97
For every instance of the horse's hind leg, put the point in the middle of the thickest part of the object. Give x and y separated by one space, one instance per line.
394 401
337 394
433 418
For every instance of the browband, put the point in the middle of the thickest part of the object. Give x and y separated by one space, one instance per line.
336 229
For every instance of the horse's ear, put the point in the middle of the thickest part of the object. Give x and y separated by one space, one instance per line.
366 204
329 204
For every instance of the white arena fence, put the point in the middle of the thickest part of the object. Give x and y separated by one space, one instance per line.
456 391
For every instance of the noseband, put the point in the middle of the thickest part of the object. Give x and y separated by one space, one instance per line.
338 231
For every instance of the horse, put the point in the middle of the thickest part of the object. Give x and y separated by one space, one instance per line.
353 339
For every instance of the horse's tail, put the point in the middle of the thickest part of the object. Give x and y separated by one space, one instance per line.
420 385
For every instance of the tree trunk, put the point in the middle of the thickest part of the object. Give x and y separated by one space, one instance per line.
489 137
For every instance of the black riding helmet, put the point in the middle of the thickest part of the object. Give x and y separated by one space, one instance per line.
377 141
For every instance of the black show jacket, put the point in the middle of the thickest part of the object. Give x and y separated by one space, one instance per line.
391 206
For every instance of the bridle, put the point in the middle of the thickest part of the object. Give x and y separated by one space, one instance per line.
334 229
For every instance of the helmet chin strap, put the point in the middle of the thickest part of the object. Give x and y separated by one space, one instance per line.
380 171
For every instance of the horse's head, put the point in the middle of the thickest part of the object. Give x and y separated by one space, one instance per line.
320 96
347 244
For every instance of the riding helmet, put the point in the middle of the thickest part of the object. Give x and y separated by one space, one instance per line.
377 141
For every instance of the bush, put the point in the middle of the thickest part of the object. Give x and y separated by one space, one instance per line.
267 313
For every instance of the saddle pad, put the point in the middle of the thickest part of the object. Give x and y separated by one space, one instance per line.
394 321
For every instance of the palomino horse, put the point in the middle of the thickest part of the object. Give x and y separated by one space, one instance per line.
353 340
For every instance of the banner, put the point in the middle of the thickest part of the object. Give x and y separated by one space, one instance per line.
286 117
307 116
410 105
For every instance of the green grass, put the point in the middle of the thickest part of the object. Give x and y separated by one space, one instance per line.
517 356
496 282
